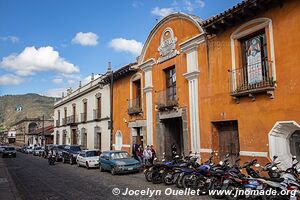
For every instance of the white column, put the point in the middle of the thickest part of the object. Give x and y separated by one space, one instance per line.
147 68
190 47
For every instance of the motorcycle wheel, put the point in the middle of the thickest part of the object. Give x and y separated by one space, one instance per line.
168 179
232 196
148 176
188 181
216 186
179 181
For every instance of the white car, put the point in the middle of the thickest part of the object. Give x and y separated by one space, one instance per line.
29 149
88 158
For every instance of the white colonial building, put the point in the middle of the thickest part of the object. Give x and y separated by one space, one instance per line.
83 116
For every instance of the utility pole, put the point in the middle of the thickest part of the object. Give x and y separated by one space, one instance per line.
111 74
43 134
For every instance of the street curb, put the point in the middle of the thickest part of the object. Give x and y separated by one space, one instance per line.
12 186
11 183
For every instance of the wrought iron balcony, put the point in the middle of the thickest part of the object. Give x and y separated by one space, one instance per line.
57 122
73 119
83 117
97 114
166 99
134 106
64 121
252 79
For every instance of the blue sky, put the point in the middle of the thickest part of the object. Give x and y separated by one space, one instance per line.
47 46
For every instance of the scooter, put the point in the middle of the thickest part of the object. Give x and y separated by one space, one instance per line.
51 160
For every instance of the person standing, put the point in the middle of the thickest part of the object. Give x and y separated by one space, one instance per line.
153 154
139 154
147 155
134 151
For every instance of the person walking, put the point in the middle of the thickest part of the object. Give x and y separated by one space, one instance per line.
147 155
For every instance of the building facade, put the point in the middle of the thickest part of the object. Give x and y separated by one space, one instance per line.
83 116
227 84
25 130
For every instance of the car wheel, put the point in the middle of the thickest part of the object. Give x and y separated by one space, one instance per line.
87 165
71 161
113 171
101 168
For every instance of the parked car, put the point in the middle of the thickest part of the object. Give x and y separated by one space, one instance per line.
88 158
58 150
9 152
28 149
2 148
37 151
118 162
70 153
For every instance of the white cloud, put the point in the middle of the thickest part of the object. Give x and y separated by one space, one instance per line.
13 39
10 79
123 45
192 5
200 3
162 12
32 60
71 81
55 92
57 80
85 39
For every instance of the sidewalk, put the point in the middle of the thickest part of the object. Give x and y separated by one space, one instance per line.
8 189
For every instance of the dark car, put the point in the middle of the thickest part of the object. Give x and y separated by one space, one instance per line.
70 153
118 162
9 152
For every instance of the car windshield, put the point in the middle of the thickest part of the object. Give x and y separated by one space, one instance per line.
61 146
119 155
9 148
92 153
75 148
38 148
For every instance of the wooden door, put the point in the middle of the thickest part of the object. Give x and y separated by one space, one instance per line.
228 140
74 136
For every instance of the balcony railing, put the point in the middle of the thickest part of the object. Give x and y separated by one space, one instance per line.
64 121
83 117
57 122
252 79
73 119
134 106
97 114
166 100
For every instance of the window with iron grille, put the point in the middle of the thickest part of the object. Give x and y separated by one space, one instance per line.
170 83
255 58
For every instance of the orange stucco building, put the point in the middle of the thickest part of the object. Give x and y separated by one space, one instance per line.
228 84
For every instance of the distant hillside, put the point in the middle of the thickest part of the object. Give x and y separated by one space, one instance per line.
16 107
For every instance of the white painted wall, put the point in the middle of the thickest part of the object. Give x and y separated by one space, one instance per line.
90 124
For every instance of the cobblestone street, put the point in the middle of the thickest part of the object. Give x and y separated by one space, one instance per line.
35 179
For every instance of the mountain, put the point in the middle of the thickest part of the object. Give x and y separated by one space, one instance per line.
16 107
